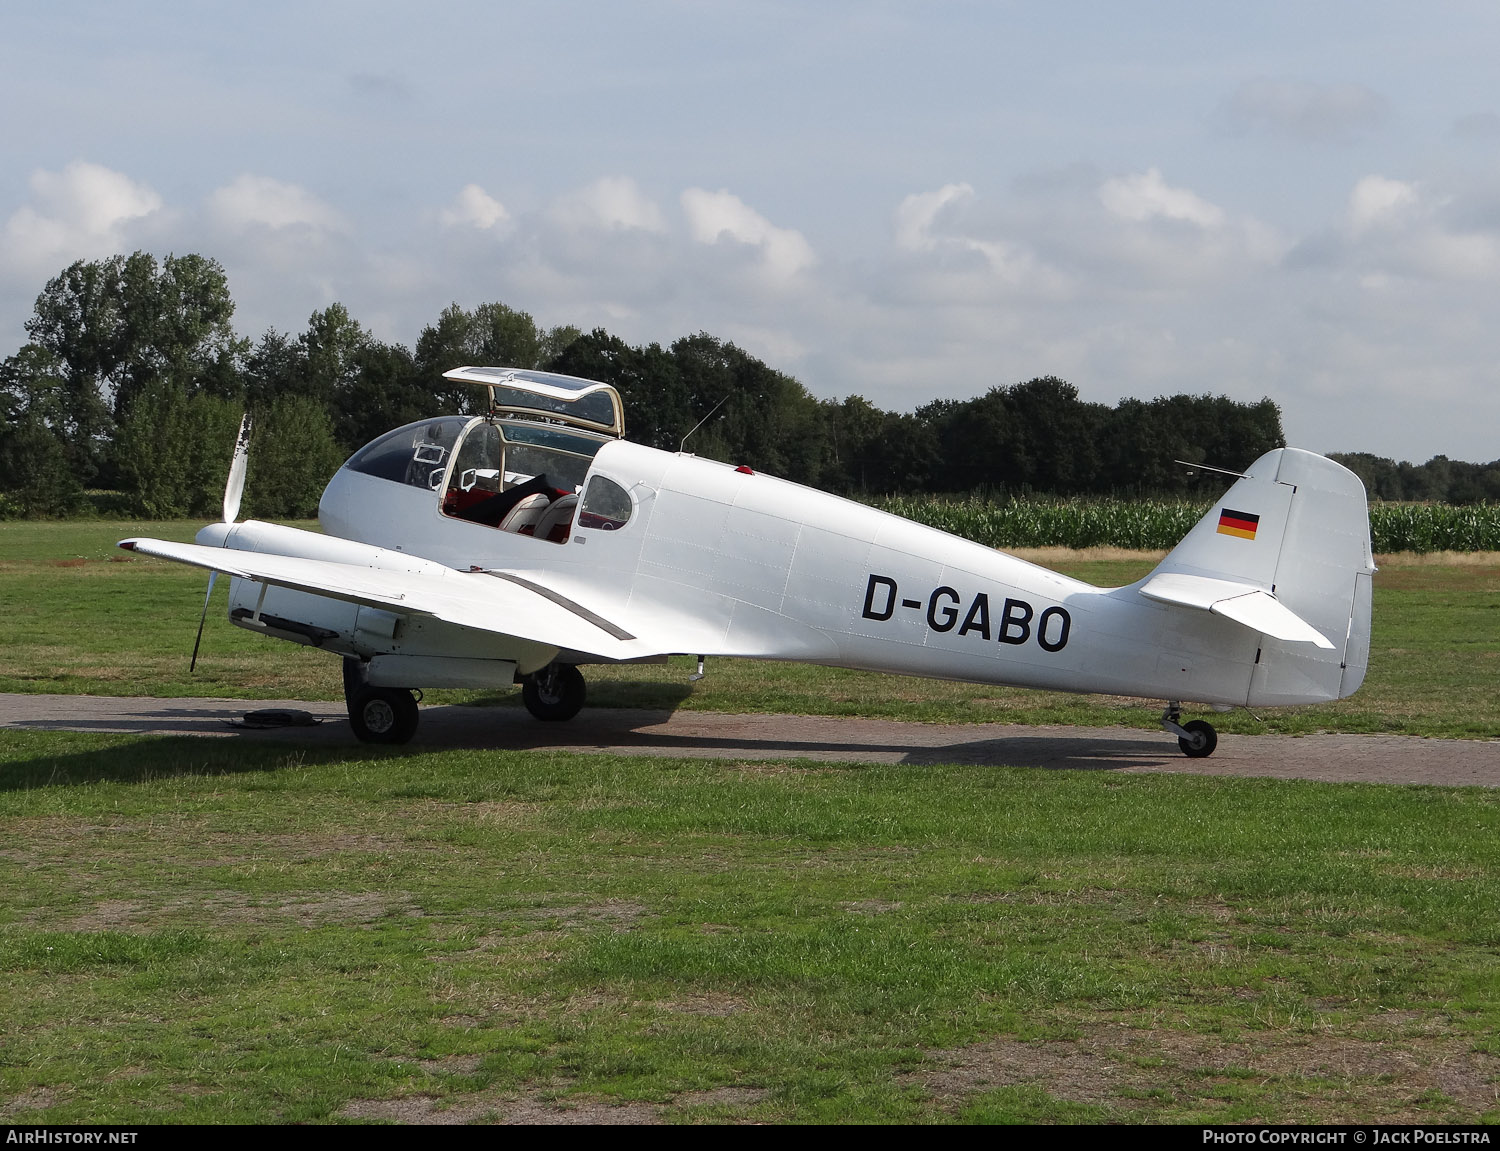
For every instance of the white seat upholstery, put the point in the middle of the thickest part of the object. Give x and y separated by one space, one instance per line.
525 514
560 512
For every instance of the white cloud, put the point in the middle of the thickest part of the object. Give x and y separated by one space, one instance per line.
919 212
713 216
931 222
1376 200
1317 113
473 207
1397 229
261 202
83 211
614 202
1146 196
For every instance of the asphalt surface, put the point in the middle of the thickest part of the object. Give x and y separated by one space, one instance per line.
1342 758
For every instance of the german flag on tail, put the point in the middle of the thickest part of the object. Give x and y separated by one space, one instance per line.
1241 524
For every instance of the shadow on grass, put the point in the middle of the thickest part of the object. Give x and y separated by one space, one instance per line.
148 759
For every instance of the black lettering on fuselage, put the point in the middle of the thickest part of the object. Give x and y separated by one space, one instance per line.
978 618
1018 623
890 597
1065 625
1015 622
948 612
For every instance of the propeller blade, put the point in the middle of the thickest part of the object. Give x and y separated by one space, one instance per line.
235 488
202 619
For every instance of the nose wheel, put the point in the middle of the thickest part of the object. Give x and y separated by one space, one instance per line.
1197 738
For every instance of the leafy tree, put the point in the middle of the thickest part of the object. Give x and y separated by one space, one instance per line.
118 324
292 455
554 342
275 367
330 354
41 467
383 392
174 450
36 478
768 420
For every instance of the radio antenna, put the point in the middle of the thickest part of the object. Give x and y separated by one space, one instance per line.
1206 468
682 446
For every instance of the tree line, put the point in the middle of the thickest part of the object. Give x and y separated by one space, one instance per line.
128 392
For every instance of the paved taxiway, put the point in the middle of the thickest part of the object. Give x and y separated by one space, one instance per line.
1364 758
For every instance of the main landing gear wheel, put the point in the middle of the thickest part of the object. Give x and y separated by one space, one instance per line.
554 693
383 714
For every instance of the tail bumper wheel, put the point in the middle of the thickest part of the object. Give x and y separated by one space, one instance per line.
1200 740
554 693
383 714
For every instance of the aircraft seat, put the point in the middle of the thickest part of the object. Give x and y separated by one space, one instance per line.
525 514
556 523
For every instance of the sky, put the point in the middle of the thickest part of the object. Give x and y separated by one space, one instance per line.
897 200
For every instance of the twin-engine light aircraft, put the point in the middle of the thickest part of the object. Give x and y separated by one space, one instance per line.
518 545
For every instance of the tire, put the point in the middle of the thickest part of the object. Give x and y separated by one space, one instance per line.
383 714
1201 741
555 693
356 671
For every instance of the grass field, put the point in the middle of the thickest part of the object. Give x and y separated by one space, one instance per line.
84 617
220 931
200 930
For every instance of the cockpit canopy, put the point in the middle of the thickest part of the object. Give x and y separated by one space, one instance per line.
567 400
520 468
503 452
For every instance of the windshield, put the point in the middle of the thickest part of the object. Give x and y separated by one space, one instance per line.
416 454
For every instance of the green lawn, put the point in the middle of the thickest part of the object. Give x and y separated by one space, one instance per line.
84 617
224 931
217 931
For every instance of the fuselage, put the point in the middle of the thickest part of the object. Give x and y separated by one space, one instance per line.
714 560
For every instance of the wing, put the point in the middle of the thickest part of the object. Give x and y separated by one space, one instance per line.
1246 604
497 602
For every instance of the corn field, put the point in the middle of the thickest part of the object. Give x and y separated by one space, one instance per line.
1149 525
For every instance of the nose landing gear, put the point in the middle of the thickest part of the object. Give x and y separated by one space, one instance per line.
1197 738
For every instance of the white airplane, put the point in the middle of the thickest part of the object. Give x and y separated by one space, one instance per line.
518 545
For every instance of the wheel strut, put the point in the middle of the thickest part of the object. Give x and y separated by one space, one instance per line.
1197 738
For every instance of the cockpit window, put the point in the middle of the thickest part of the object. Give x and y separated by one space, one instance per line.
416 454
477 464
606 506
535 449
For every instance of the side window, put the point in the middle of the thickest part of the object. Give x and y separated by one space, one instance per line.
606 506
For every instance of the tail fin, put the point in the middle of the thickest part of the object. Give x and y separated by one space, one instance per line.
1285 552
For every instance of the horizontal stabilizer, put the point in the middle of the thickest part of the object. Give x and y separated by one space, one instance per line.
1243 603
